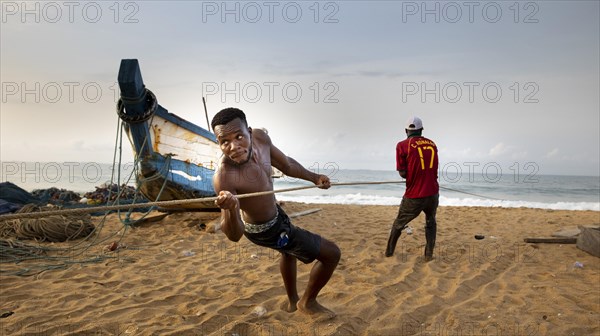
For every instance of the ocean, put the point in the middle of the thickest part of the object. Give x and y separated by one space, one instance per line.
457 189
476 189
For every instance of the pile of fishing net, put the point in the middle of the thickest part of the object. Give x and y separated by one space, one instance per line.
110 192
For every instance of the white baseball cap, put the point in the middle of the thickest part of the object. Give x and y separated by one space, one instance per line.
414 124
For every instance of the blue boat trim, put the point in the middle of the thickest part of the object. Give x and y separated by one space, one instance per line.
163 113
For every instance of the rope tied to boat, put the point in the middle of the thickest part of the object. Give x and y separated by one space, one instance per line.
173 202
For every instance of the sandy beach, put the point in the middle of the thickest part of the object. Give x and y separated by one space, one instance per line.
174 277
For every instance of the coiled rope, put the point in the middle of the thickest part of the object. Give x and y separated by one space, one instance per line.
151 104
51 228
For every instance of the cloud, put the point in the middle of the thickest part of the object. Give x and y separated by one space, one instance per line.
86 147
552 153
507 151
498 150
519 155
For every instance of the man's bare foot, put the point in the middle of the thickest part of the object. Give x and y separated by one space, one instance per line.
289 306
315 310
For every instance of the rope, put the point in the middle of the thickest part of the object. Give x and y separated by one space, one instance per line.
11 250
17 252
150 108
55 228
195 201
58 257
173 202
468 193
166 168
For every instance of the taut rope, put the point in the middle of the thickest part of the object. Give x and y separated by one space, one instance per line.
172 202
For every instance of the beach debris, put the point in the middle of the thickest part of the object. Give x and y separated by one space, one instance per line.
408 230
259 311
577 264
188 253
6 314
479 237
114 246
551 240
131 330
109 192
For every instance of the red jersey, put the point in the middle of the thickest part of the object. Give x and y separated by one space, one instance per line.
418 156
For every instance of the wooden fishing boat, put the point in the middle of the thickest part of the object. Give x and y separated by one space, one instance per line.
175 158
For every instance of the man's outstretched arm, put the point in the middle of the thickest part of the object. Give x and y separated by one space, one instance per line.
293 168
231 221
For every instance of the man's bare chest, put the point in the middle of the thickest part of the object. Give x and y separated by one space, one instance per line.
253 177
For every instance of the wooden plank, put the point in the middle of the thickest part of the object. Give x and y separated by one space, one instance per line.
302 213
552 240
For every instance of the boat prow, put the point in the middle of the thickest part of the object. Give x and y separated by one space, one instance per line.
175 158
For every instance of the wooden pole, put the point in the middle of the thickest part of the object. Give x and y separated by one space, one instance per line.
206 114
552 240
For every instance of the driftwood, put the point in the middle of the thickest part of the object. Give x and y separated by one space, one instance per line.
552 240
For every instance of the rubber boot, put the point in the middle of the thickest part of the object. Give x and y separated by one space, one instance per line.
430 233
391 245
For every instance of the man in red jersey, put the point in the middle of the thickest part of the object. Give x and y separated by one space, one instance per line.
417 162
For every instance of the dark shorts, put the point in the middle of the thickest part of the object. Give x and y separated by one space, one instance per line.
301 243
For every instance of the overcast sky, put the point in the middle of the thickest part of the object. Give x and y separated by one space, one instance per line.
509 84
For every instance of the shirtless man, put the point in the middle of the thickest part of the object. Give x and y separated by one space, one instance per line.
246 168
